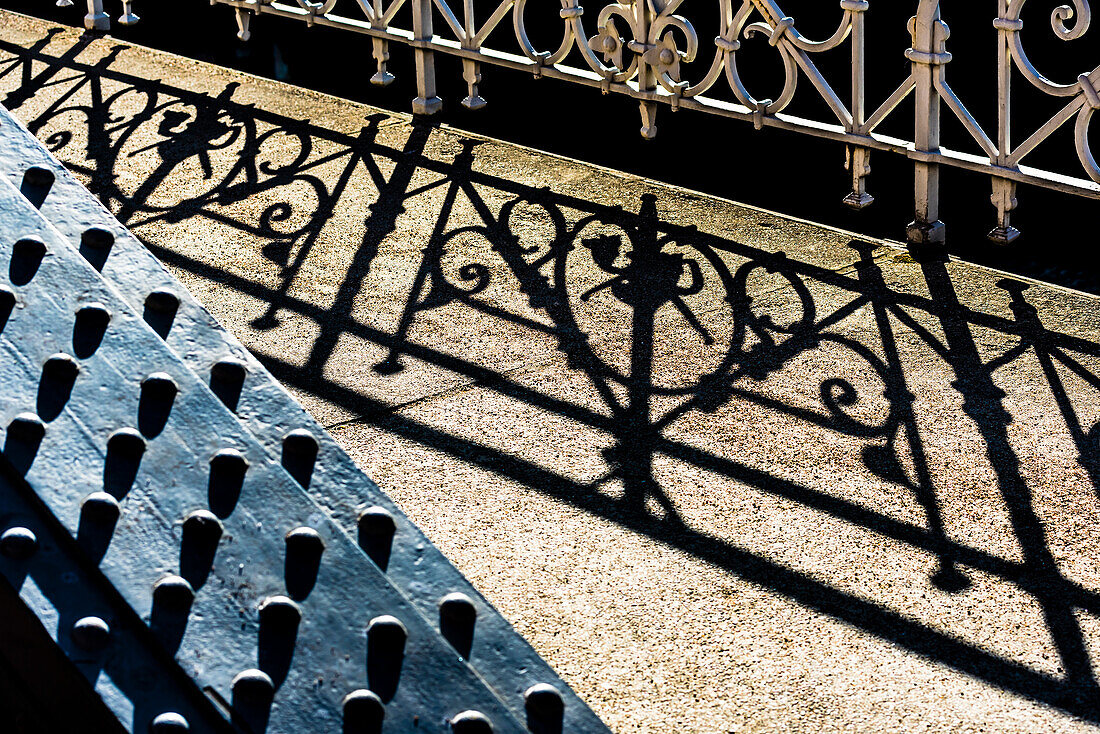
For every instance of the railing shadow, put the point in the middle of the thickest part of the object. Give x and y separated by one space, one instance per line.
658 274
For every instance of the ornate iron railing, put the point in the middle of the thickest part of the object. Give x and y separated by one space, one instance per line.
645 50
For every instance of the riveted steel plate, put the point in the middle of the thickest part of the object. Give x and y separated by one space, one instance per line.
75 441
500 656
122 419
50 570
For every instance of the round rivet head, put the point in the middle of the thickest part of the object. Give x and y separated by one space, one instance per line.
305 539
280 611
543 702
253 685
91 633
97 238
388 625
38 177
31 248
126 442
162 301
173 592
160 385
203 523
18 543
94 311
101 507
300 441
386 636
471 722
376 521
458 606
228 370
27 427
363 711
61 367
169 723
226 460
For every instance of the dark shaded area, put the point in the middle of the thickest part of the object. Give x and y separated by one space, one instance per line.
98 517
545 710
457 618
7 303
26 257
33 669
56 386
46 685
125 448
279 619
386 638
227 470
652 267
227 381
300 455
253 695
201 533
376 531
158 393
89 329
172 599
36 185
304 548
363 713
160 311
21 442
95 246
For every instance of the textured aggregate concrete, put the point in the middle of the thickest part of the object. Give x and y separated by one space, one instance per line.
707 517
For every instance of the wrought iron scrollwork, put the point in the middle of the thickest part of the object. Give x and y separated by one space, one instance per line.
651 51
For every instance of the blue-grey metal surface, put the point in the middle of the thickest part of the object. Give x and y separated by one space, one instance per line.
178 476
52 572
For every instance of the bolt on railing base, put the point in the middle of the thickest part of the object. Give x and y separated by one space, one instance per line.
924 234
428 106
97 22
858 201
1003 235
382 79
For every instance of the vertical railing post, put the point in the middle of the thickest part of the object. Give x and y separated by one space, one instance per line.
471 71
859 158
645 14
426 101
928 55
96 19
381 47
1004 191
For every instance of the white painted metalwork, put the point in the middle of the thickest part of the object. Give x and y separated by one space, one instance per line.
645 50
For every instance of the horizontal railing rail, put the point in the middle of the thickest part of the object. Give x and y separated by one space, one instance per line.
645 50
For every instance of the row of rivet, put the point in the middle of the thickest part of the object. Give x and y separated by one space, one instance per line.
91 634
376 529
376 524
